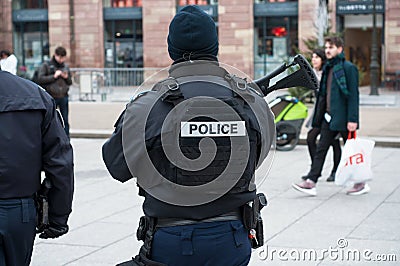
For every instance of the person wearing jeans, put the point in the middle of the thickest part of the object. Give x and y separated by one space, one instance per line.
55 77
318 59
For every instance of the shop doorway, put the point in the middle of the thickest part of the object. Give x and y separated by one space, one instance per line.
358 51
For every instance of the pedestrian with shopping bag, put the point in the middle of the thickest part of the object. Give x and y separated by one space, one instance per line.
337 112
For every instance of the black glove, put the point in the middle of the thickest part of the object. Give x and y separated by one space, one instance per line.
54 231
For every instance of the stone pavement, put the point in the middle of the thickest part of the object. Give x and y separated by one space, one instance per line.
299 230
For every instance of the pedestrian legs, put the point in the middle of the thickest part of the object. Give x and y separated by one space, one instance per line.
62 104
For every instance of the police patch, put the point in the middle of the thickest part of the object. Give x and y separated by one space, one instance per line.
213 129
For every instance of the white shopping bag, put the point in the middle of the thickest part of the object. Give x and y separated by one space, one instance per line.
355 163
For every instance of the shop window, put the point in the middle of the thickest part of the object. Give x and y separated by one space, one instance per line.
124 49
122 3
31 45
271 28
276 41
279 31
196 2
273 1
29 4
123 44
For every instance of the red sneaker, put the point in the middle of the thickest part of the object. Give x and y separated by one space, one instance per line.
307 187
359 189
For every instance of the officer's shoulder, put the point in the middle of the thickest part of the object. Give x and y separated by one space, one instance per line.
144 95
23 84
43 92
35 88
152 93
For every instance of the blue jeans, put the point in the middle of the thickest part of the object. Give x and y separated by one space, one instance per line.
205 244
17 231
62 104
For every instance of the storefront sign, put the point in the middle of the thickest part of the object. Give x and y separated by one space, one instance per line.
359 7
276 9
30 15
126 13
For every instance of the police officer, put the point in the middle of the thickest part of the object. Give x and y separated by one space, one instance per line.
186 224
32 139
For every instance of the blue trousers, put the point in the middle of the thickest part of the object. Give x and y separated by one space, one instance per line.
17 231
204 244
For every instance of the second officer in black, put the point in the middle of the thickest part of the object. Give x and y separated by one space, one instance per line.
32 139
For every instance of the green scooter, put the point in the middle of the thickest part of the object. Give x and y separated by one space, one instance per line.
290 114
289 111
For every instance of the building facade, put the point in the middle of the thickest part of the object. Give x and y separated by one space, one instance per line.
255 35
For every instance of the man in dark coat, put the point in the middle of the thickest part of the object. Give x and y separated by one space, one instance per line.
337 111
32 139
54 76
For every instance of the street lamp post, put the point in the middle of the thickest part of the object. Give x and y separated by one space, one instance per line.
374 66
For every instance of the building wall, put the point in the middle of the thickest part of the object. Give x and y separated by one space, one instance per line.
236 34
155 21
6 35
80 32
59 25
307 14
89 36
86 46
392 35
332 13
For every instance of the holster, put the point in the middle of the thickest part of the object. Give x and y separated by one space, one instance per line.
252 220
42 205
145 232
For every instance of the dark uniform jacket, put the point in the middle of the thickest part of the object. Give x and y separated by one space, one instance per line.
344 108
113 152
32 140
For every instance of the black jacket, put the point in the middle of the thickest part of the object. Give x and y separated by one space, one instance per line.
344 108
32 140
59 87
241 192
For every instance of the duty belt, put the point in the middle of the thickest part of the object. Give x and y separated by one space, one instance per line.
168 222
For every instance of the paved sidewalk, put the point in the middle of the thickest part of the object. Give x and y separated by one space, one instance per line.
333 226
379 116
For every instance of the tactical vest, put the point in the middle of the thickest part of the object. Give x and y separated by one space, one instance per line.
208 103
225 123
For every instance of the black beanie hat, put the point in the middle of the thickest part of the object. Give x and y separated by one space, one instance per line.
191 32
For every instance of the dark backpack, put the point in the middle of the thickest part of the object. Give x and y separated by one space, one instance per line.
35 77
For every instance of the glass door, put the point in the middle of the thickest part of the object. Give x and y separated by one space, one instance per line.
31 46
123 44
